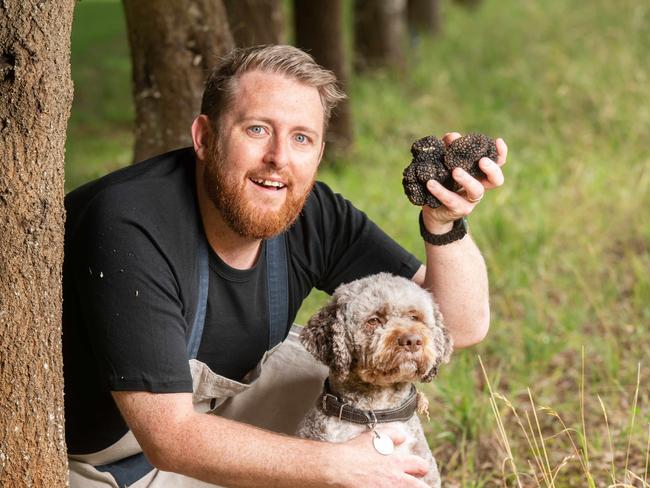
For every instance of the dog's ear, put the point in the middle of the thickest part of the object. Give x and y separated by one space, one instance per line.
324 337
315 336
443 345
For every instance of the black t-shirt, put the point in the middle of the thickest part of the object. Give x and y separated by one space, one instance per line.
130 287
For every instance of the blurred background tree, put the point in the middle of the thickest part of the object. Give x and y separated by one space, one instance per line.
319 30
424 17
173 46
380 33
254 22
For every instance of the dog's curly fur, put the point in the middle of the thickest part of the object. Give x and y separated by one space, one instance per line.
378 335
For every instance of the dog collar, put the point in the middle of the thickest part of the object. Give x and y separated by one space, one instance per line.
332 405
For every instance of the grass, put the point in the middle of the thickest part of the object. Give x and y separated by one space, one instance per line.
566 240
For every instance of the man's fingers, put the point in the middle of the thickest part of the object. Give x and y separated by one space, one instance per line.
502 151
450 137
414 465
412 482
492 171
456 205
472 187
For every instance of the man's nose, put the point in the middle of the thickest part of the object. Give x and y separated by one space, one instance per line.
277 152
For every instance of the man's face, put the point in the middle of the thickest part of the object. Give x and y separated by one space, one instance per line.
262 164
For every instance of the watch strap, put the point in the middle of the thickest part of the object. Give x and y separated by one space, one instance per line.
458 231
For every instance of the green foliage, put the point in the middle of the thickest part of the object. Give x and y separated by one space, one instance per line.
100 130
566 240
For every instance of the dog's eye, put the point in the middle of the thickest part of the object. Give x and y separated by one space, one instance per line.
414 315
373 321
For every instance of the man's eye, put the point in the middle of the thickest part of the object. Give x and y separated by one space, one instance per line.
256 130
301 138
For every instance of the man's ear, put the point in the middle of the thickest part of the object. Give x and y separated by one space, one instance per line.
201 134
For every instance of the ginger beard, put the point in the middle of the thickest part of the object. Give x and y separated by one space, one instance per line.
249 219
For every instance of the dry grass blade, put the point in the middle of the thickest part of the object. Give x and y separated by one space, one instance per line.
647 456
532 470
582 407
566 430
548 471
531 443
499 420
629 437
609 439
536 450
560 466
638 478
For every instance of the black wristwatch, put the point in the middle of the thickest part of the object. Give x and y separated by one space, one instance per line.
457 232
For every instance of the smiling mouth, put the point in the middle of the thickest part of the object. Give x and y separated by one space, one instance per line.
268 184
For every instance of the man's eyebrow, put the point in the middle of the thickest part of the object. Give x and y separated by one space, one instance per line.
301 128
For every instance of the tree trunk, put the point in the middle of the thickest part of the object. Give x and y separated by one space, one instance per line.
174 46
380 33
318 28
424 17
254 22
35 101
468 3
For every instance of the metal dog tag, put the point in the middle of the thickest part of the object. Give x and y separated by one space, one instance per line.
383 444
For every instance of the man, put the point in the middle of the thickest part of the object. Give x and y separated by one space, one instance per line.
204 254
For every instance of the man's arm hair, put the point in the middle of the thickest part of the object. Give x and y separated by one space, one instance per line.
456 276
220 451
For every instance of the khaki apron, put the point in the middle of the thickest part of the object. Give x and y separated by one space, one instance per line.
275 395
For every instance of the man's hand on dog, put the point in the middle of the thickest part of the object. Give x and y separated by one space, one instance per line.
364 466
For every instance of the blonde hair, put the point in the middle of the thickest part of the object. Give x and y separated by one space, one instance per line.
287 60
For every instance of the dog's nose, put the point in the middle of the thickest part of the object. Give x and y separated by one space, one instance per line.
410 341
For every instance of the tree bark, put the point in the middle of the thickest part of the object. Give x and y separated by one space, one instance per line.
319 31
424 16
254 22
174 46
380 33
35 101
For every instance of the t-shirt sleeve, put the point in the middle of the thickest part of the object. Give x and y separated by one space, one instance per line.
128 301
354 246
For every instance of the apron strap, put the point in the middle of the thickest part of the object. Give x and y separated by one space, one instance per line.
277 287
129 470
133 468
202 303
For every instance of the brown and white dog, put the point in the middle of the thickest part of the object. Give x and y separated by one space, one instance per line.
378 335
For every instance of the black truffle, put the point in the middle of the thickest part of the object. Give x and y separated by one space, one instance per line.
427 164
466 151
428 148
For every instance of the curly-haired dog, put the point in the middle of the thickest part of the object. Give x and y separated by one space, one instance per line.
378 335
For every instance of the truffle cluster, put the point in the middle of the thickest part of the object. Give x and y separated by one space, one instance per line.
431 161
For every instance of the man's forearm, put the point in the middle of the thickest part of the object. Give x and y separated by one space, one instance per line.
457 278
455 273
225 452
